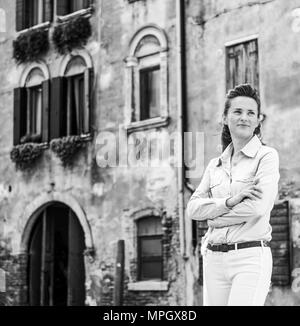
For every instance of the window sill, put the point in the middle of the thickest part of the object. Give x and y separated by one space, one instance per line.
149 286
83 12
45 25
147 124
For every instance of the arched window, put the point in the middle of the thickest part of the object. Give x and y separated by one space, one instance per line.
146 79
150 250
71 99
31 108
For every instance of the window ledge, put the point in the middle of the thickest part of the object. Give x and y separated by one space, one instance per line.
147 124
83 12
45 25
149 286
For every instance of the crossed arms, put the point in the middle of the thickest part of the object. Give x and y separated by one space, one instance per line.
214 210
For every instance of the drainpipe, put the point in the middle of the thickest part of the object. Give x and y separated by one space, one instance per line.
181 127
180 21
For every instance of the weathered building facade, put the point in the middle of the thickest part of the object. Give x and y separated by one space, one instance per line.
85 85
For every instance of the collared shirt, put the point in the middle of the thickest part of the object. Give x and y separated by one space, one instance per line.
250 219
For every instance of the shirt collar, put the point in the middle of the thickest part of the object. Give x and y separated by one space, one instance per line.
250 150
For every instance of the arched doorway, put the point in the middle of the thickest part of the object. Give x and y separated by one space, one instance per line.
56 274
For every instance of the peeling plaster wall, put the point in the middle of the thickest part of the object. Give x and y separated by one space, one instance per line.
104 194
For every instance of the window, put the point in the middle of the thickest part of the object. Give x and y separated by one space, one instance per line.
65 7
146 80
150 253
150 93
70 113
33 12
242 64
31 109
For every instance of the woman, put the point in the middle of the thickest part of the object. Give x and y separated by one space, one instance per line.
236 195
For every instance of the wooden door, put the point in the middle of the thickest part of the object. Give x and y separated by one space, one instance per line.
56 265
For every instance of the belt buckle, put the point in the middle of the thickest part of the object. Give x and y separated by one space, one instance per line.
224 247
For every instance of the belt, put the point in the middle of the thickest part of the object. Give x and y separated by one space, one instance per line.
224 247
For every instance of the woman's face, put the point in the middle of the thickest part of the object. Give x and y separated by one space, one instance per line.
242 117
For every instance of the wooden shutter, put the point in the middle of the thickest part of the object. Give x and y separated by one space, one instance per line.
20 100
76 273
88 82
35 261
280 244
47 277
20 15
58 108
63 7
48 10
242 65
45 110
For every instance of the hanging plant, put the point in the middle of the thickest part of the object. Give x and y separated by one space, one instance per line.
25 155
31 45
65 148
72 34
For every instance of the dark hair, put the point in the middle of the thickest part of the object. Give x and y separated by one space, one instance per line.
240 90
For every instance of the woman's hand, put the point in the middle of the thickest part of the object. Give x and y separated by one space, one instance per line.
252 191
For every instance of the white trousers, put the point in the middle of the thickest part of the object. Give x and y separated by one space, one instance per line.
238 277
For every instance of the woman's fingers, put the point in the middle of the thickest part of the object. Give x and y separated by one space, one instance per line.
253 194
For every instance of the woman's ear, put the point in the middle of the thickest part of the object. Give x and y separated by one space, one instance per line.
224 119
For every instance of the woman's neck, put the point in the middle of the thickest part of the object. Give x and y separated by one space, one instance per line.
238 144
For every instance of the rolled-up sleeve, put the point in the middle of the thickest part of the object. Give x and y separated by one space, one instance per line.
249 209
201 206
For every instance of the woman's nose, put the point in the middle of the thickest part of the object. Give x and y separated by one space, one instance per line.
244 117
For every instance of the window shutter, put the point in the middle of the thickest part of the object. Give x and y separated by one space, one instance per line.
62 7
58 108
20 15
48 10
19 114
88 82
45 110
242 64
76 273
280 244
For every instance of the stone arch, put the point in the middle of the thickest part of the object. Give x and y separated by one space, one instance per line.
32 211
147 30
75 53
40 65
144 212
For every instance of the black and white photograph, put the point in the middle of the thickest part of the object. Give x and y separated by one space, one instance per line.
149 155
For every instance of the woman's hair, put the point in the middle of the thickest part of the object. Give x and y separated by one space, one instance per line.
240 90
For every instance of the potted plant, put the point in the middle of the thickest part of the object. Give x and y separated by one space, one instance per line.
31 45
66 147
71 34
